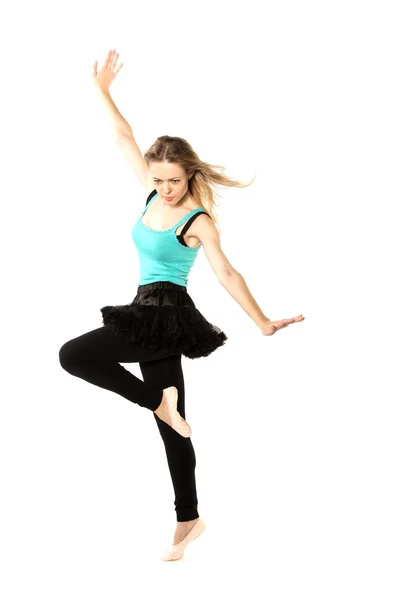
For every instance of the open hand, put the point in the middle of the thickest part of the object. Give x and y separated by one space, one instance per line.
104 78
270 327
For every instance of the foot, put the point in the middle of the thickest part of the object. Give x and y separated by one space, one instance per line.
186 532
182 529
168 412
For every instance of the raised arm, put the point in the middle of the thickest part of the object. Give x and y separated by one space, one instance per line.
123 131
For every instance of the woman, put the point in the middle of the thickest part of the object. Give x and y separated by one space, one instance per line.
162 322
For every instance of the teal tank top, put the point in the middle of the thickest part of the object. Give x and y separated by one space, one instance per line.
162 257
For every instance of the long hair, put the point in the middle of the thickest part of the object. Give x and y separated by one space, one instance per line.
204 176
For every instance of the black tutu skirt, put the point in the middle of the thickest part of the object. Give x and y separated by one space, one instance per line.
163 316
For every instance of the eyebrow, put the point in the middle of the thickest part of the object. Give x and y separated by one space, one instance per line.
154 177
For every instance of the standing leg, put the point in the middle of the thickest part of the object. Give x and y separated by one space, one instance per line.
181 458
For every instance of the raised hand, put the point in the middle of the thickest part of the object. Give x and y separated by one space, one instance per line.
104 78
271 327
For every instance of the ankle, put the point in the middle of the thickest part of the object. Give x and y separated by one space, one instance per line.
185 523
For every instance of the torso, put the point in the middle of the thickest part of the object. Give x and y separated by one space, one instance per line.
160 218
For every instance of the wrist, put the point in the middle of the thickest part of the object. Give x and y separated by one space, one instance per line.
102 90
264 321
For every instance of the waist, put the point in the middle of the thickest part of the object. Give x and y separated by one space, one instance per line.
161 285
163 293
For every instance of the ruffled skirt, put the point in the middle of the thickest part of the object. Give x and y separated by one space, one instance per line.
163 316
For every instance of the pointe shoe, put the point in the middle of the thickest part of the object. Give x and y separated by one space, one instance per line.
178 422
177 550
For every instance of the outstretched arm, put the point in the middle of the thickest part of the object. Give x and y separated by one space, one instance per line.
231 279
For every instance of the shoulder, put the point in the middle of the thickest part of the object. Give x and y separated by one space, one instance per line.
204 227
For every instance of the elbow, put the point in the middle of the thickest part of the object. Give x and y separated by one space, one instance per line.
226 275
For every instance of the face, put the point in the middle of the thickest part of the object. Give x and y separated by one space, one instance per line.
171 182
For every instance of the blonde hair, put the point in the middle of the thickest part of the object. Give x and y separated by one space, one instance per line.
204 176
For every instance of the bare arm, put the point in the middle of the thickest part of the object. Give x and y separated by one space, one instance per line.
236 286
123 131
118 123
228 276
232 280
102 80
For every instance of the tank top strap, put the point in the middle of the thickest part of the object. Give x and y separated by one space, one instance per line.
188 216
149 201
190 221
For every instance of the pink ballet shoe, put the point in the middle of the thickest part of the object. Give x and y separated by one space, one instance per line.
178 422
177 550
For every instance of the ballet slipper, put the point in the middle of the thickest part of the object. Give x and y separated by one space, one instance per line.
177 550
178 422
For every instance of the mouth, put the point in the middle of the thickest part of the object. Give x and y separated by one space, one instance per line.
166 197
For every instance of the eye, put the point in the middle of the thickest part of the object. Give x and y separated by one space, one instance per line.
174 181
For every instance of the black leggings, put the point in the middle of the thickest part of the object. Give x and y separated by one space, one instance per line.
95 357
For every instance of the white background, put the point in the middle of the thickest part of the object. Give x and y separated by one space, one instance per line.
296 435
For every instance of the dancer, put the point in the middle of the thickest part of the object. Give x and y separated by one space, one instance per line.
162 322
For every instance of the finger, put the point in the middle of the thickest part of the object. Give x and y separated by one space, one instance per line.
107 59
294 319
95 68
299 317
119 68
115 60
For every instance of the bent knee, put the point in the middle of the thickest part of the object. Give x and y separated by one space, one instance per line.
68 356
